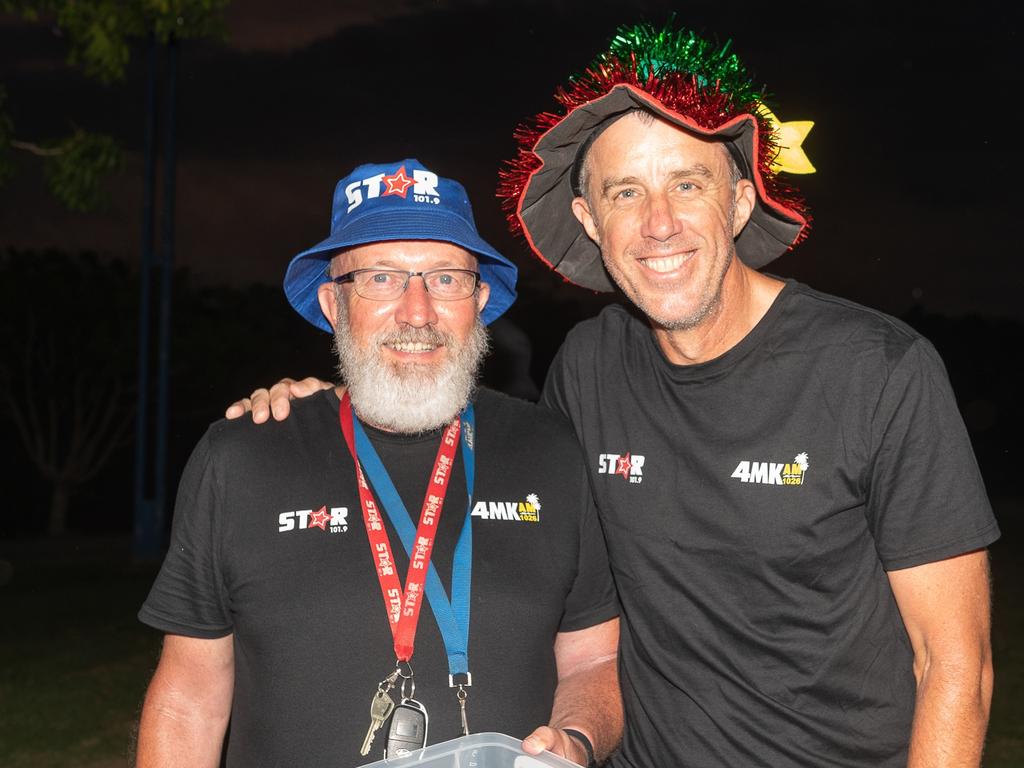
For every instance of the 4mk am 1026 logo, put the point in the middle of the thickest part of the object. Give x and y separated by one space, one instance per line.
773 473
333 519
629 466
527 511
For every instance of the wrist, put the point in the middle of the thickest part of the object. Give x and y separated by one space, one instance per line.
584 742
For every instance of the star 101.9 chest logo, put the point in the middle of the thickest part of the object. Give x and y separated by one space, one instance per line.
629 466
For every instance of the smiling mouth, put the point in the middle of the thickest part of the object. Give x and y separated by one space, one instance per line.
413 347
666 263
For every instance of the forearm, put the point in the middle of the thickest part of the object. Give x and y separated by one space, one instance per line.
178 730
951 714
590 701
945 608
188 704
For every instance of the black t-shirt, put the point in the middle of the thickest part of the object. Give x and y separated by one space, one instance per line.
310 631
752 506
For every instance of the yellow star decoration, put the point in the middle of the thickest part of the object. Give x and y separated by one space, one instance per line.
789 136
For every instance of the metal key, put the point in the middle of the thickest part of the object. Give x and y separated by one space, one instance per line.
380 709
408 730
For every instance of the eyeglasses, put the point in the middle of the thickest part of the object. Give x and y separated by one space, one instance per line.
388 284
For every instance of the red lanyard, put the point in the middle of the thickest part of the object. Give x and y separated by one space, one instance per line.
403 608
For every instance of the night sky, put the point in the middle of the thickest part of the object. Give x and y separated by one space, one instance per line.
914 202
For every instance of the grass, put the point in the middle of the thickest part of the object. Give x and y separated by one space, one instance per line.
74 660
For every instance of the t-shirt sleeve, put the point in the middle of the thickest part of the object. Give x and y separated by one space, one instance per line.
592 598
559 388
188 597
926 498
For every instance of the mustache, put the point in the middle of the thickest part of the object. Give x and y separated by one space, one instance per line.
409 335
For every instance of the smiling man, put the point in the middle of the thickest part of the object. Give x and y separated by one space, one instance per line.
405 367
665 207
801 566
412 548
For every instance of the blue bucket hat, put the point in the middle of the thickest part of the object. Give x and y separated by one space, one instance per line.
397 201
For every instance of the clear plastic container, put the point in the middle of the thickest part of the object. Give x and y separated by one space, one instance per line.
478 750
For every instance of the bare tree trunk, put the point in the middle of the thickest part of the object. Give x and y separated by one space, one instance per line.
59 509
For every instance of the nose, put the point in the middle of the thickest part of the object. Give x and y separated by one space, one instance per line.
659 220
415 306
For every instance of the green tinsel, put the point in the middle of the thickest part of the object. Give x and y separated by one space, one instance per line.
669 49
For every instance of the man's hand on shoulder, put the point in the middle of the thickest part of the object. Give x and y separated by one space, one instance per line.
558 741
276 401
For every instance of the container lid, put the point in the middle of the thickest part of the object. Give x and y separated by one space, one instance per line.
478 750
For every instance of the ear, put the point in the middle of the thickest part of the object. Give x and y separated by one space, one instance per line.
483 293
328 298
581 210
745 200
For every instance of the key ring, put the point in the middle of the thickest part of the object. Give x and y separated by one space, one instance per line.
412 687
387 683
406 673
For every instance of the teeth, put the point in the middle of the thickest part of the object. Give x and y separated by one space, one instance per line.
666 263
414 346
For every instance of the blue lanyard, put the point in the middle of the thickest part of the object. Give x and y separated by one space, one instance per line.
452 616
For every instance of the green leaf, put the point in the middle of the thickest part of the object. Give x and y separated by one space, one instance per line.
98 32
184 19
76 175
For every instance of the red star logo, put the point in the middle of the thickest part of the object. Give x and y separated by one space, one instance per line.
319 518
398 183
624 466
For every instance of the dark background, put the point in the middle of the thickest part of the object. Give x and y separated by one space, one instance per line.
915 201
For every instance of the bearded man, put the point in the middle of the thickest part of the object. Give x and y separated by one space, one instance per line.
290 611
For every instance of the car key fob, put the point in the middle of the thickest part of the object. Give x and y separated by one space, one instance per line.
407 731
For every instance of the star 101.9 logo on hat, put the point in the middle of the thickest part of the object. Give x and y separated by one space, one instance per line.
422 181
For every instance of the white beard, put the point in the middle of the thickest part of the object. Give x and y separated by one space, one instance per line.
413 397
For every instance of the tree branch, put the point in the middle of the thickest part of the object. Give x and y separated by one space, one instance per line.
37 150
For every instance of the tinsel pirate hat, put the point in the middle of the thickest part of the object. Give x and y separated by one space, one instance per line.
687 81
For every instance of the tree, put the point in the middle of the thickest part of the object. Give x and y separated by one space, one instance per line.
67 373
100 35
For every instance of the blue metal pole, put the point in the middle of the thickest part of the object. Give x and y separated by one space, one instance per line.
166 288
143 542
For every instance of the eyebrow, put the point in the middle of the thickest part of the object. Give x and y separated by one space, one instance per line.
619 182
697 169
